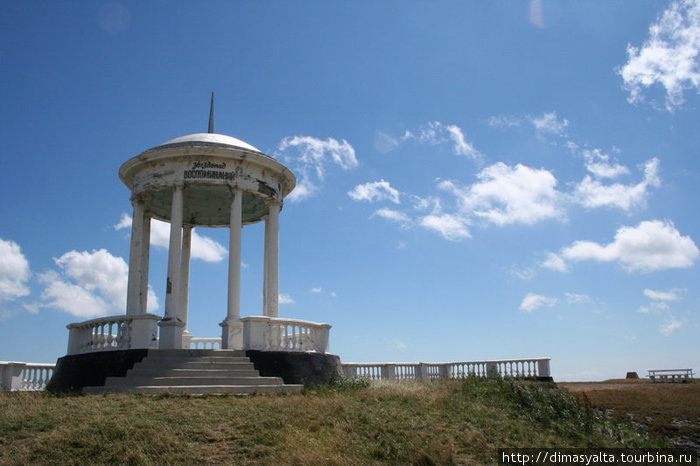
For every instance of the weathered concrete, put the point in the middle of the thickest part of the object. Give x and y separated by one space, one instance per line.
75 371
193 372
296 367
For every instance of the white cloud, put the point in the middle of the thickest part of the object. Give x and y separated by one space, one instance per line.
203 247
448 226
398 344
506 195
592 193
600 165
91 284
310 157
385 143
554 262
669 57
375 191
393 216
654 306
14 272
651 245
124 222
285 299
670 326
504 121
550 124
461 146
523 273
671 295
574 298
333 294
437 133
316 290
534 301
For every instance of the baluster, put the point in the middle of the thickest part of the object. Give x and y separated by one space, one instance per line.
110 338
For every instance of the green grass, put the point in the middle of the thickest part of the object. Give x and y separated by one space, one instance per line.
342 423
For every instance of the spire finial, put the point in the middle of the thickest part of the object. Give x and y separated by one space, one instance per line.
211 114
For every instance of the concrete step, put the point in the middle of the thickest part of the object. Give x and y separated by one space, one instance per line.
195 353
197 390
190 381
179 372
207 359
194 372
194 364
174 357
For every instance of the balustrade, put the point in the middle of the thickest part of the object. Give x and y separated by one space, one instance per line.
24 376
204 343
538 367
113 333
275 334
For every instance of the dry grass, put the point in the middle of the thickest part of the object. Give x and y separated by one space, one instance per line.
665 410
414 422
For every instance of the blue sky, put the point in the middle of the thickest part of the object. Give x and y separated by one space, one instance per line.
476 180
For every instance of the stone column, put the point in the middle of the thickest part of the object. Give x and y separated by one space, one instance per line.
185 282
271 274
171 326
231 328
145 261
136 266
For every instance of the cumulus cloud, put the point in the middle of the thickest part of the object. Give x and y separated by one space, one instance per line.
434 133
90 284
668 58
450 227
591 192
534 301
573 298
672 295
650 246
310 157
554 262
600 165
375 191
285 299
549 124
316 290
14 272
203 247
505 195
393 216
670 326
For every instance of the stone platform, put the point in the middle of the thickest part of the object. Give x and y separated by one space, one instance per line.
192 371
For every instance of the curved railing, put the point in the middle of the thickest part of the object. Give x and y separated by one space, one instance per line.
276 334
24 376
534 368
204 343
113 333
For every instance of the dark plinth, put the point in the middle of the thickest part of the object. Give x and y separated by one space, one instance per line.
73 372
296 367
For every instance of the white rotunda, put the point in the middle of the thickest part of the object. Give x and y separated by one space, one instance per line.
211 180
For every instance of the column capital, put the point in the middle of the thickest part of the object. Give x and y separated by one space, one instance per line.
138 198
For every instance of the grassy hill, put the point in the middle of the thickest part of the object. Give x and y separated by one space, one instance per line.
441 422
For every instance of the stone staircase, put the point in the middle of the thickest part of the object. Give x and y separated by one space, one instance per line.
195 372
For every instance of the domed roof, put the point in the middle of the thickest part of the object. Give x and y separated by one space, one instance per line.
207 139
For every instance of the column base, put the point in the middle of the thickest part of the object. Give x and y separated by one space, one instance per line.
170 334
231 334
